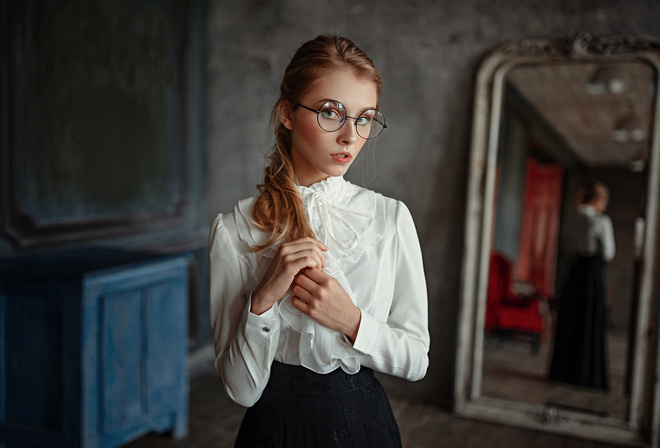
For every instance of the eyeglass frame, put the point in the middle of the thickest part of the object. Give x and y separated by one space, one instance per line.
318 112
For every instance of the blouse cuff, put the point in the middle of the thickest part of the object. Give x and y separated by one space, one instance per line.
367 333
264 325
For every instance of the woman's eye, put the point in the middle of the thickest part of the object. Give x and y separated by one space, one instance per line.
329 114
363 120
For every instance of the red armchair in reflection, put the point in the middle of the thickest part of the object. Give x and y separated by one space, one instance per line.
507 312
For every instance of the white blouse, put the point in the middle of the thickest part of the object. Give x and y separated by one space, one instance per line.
373 252
593 233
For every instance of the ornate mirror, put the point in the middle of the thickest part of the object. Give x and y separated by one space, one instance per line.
549 114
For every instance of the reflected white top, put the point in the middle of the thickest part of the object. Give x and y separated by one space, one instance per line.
593 233
373 251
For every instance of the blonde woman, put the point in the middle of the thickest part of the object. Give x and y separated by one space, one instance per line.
580 351
317 283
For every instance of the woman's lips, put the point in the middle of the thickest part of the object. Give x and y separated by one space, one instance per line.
342 157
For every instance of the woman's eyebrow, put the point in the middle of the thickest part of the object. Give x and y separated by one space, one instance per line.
325 100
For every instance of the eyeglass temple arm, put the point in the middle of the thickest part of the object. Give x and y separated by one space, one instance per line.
309 108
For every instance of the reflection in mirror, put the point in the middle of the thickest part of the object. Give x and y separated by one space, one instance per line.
560 125
548 115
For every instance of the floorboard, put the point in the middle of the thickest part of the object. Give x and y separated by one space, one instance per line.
214 421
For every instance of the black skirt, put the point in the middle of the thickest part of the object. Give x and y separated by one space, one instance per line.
580 354
300 408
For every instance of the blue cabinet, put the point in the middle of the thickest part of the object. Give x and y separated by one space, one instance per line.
92 349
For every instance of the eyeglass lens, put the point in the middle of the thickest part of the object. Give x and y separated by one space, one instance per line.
332 116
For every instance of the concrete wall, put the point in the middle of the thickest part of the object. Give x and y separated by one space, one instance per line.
428 53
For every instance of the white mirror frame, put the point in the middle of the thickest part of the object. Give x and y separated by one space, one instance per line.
642 425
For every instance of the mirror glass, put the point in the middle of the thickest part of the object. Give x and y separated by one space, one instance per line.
548 116
560 125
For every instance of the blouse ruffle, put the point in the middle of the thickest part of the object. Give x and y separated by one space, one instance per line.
349 221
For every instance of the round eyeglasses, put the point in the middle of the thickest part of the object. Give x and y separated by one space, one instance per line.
331 116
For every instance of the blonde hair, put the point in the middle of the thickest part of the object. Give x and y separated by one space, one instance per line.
279 210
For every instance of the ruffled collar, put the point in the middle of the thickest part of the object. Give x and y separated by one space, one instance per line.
346 218
336 218
588 210
324 187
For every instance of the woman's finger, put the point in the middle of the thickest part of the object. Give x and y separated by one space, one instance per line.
316 275
297 251
306 242
300 304
302 293
298 262
303 281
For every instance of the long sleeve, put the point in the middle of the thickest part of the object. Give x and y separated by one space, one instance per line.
245 343
400 345
606 237
593 234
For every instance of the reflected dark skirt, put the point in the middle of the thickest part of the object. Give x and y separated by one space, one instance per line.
300 408
580 354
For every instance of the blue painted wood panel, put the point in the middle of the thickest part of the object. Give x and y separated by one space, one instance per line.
121 398
95 359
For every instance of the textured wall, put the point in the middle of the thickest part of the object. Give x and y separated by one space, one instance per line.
428 53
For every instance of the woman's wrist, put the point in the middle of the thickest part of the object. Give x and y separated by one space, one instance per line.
352 333
259 306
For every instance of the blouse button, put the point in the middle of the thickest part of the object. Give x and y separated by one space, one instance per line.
266 329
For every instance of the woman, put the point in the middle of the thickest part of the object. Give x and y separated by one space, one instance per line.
580 355
316 283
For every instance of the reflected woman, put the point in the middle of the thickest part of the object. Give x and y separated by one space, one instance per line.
580 354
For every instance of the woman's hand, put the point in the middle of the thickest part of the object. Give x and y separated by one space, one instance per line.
322 298
291 258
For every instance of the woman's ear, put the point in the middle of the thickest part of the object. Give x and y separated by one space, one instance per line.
285 112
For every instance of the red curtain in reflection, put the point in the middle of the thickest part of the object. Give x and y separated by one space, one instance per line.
537 254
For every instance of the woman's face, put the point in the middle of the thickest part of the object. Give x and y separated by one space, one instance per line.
600 203
315 153
600 200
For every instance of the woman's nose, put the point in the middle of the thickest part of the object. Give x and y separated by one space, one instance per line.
347 133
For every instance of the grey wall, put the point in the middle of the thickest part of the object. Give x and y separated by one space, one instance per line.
428 53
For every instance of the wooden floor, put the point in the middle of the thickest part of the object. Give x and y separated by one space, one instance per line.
214 422
525 379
